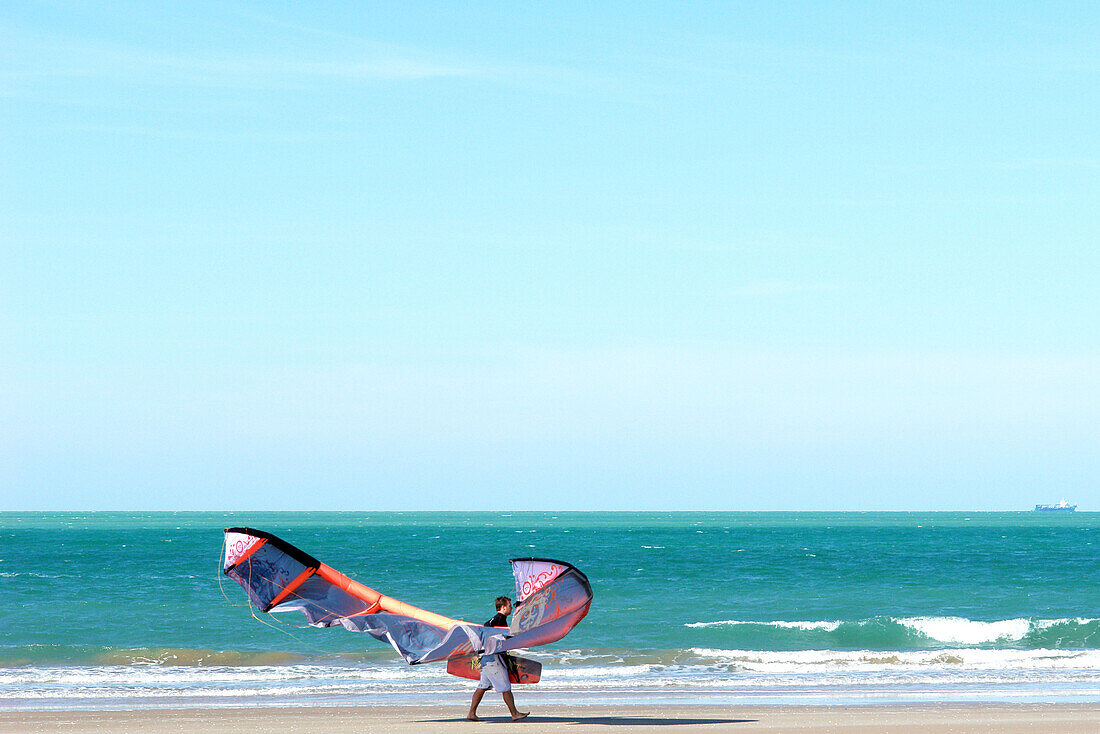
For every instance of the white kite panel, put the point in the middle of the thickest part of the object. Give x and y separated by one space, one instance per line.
532 575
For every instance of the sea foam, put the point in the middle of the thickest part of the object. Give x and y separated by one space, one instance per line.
801 625
967 631
926 631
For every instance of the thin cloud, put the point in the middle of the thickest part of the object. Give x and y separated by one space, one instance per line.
1033 163
264 71
1056 164
36 63
548 78
777 288
30 66
199 134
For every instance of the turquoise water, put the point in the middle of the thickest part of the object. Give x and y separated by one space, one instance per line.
107 608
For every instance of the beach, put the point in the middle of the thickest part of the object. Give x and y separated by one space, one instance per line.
1007 718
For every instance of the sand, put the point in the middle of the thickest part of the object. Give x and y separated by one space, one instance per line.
1008 718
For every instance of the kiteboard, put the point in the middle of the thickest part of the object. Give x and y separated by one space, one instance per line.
520 670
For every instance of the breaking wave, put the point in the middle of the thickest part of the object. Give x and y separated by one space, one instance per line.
905 633
956 659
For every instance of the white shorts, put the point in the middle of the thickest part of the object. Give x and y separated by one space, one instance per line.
493 674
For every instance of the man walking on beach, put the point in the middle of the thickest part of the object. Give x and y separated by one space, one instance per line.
494 674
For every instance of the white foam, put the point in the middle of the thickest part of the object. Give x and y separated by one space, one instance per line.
948 630
806 661
133 675
962 631
1048 623
828 626
746 672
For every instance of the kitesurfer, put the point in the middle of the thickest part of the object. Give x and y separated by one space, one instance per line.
494 674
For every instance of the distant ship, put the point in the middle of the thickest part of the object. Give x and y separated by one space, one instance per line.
1062 506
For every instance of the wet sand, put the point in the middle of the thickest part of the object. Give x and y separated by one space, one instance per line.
957 718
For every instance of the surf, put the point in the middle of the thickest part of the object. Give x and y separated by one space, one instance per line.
906 633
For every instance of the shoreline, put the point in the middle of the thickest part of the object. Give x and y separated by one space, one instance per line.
413 719
592 699
158 689
1073 694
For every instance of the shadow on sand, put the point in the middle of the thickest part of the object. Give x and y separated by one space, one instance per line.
603 720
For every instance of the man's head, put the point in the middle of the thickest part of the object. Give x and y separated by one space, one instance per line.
504 605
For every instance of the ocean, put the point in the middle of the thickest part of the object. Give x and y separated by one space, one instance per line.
128 610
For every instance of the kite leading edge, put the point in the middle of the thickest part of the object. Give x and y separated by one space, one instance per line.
552 597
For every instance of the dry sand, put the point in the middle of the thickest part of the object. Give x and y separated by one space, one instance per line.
1059 718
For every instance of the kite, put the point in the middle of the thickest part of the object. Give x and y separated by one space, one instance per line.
552 597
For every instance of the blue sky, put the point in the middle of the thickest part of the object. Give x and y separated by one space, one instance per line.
409 256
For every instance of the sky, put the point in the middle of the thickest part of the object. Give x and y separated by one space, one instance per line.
609 256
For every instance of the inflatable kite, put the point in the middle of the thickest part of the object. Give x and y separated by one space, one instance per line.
552 597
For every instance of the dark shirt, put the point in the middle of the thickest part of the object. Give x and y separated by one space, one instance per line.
498 620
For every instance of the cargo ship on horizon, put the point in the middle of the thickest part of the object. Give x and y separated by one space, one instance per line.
1062 506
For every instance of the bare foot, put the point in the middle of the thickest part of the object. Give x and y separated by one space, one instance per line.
520 715
472 717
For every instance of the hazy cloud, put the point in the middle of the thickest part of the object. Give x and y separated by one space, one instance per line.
36 61
779 287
